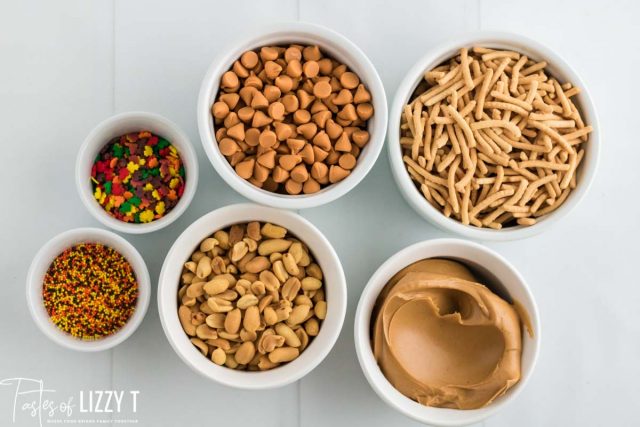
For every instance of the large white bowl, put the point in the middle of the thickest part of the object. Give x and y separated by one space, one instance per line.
500 276
558 68
337 46
334 283
41 263
121 124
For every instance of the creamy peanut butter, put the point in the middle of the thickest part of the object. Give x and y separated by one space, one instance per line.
444 340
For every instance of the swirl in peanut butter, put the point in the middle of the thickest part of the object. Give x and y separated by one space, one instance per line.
444 340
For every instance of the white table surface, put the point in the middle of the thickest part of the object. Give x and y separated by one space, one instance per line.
66 65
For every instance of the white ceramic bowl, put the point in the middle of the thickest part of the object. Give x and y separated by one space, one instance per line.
334 282
337 46
557 66
121 124
500 276
55 247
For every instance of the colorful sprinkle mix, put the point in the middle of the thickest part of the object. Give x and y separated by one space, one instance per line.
90 291
138 177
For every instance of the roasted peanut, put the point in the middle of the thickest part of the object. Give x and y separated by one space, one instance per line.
283 354
290 337
184 314
218 356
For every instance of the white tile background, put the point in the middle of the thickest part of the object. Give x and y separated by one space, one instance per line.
66 65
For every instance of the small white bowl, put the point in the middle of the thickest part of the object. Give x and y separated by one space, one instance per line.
558 67
337 46
55 247
121 124
334 282
500 276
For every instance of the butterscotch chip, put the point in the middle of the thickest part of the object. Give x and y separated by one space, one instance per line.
240 70
311 69
337 174
267 139
279 174
305 99
260 173
289 161
252 137
293 187
230 80
319 154
246 114
301 116
268 53
292 53
245 168
319 170
272 69
333 129
267 159
236 131
307 154
310 186
308 130
343 143
364 111
348 113
272 93
276 111
290 103
284 83
326 66
231 99
311 53
220 110
360 138
249 59
347 161
231 120
246 94
295 144
320 118
283 131
322 89
299 173
322 140
259 101
260 119
228 147
294 69
343 97
362 95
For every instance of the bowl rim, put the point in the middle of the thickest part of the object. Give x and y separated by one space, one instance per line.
93 141
356 59
43 259
521 44
364 352
335 288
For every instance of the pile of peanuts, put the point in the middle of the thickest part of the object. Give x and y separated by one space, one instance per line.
492 139
252 297
290 119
